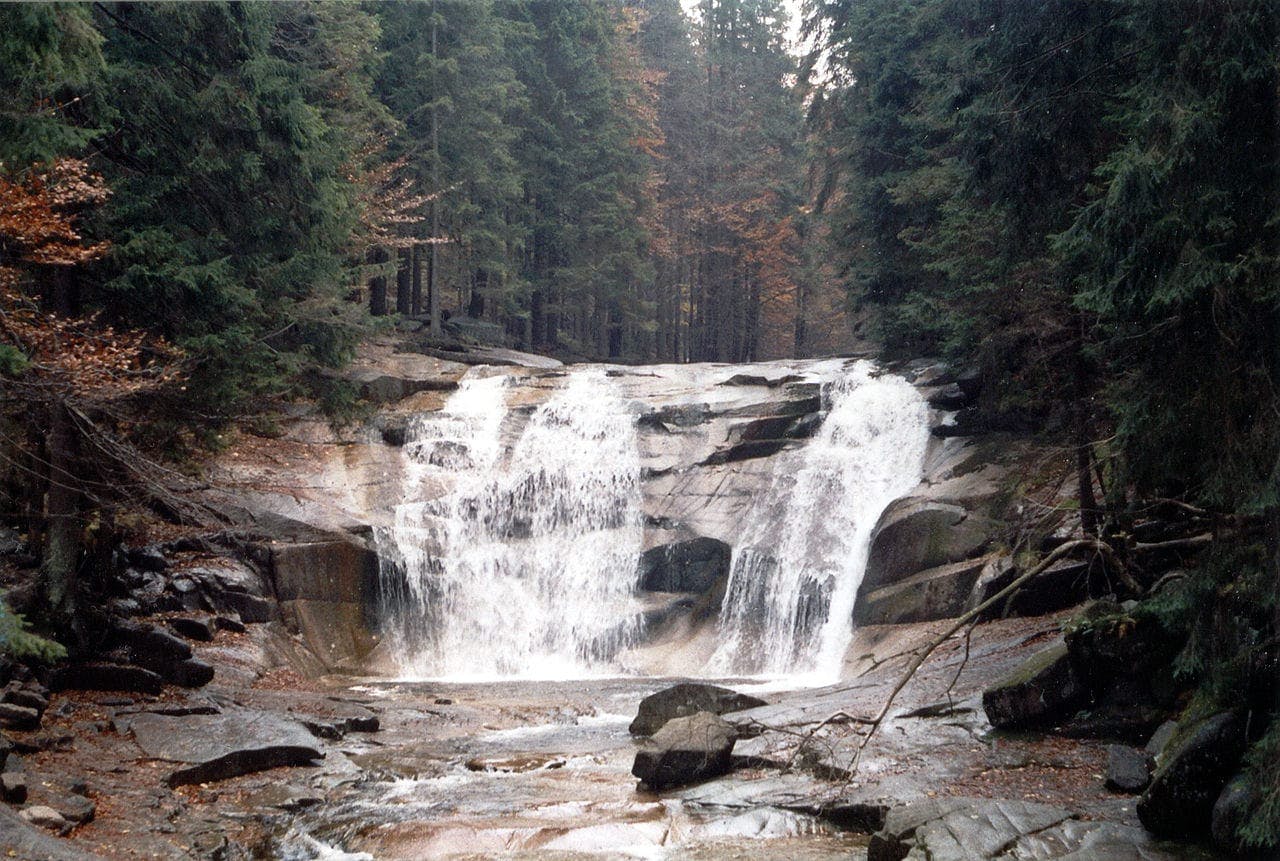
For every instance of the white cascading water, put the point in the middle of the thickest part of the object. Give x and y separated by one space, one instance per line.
526 566
795 573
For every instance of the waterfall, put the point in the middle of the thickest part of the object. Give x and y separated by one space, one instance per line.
520 560
796 571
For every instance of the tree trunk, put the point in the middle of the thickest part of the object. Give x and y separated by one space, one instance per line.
415 298
404 284
378 284
64 527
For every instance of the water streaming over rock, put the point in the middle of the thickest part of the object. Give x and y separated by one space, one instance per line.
795 574
525 566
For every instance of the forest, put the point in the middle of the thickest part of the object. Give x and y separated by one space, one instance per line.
207 207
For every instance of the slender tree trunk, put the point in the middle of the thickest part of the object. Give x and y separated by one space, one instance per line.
378 284
65 528
433 288
415 300
404 283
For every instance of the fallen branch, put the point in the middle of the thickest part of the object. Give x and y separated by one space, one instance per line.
1061 551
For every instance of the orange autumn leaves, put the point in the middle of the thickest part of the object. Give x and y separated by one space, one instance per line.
64 357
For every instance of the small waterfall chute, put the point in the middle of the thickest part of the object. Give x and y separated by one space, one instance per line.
795 573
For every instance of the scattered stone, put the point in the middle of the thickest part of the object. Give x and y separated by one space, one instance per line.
1044 689
74 808
199 628
684 566
18 717
148 559
443 701
216 747
226 623
1193 771
191 673
20 840
685 699
150 644
13 787
686 750
960 829
45 817
25 697
1128 769
106 677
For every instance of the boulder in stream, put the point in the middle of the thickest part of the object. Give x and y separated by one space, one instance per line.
686 750
685 699
684 566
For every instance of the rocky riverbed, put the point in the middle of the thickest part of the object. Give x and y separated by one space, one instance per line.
542 769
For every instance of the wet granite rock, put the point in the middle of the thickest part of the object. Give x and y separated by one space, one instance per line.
959 829
684 699
1042 690
1128 769
148 643
686 750
915 534
684 566
1194 768
219 746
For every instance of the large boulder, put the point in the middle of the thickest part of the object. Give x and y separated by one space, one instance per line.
325 588
1043 690
686 750
915 534
1193 770
685 699
1235 804
219 746
684 566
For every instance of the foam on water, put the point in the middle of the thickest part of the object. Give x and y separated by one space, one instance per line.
526 567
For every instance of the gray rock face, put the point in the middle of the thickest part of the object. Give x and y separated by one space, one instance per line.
686 750
1044 689
685 566
1128 769
18 717
917 534
1193 771
215 747
959 829
686 699
938 593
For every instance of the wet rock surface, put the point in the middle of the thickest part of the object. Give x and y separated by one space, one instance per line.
1045 689
686 699
215 747
686 750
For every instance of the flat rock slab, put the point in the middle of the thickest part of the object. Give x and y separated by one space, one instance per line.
216 747
960 829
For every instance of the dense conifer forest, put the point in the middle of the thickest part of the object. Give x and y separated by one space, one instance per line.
205 207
